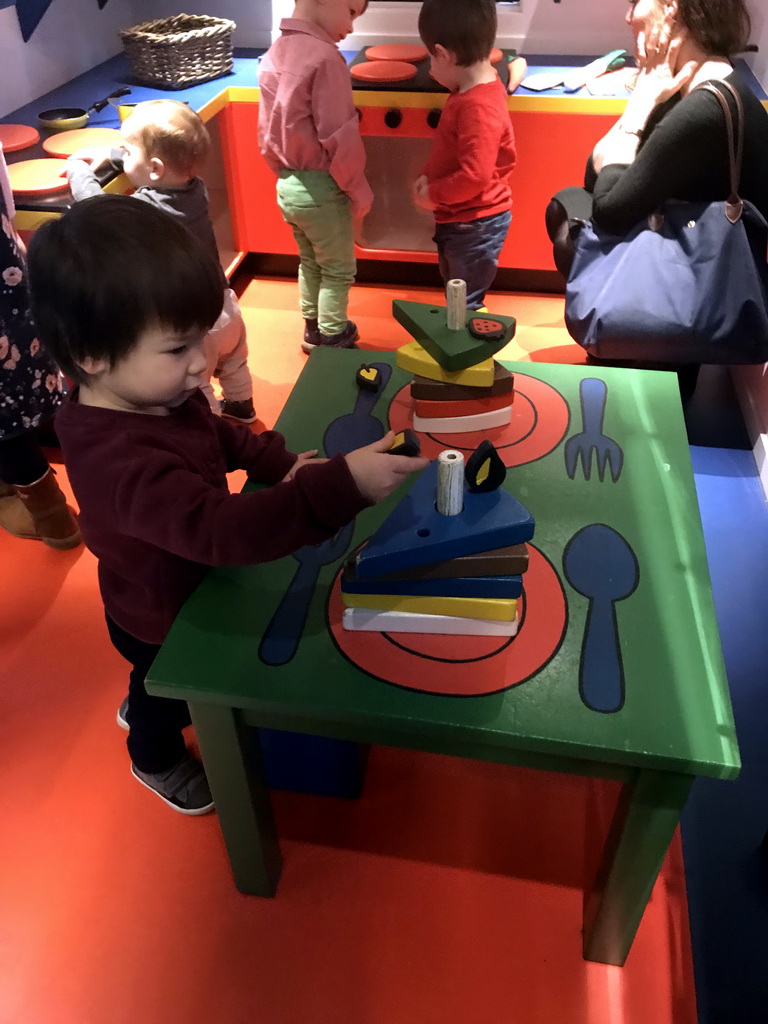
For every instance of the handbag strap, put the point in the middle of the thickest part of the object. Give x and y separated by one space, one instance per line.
733 204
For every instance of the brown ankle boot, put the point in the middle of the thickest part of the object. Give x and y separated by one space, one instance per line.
54 521
14 517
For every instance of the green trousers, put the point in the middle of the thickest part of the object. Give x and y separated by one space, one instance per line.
320 216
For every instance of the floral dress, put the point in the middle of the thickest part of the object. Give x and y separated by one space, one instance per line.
30 383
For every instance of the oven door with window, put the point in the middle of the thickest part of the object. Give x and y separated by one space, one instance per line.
397 144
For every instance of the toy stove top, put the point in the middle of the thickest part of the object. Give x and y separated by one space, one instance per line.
422 81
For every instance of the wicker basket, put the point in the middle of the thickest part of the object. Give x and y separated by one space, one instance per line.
175 52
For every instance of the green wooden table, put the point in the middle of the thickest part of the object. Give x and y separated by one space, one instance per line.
654 716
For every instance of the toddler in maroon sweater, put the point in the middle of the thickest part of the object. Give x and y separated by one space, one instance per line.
123 297
466 179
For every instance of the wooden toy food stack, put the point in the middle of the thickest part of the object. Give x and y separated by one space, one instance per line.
458 387
450 557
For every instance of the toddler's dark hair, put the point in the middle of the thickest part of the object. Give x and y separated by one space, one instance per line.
465 27
109 269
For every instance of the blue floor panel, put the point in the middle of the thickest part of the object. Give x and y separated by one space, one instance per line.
724 822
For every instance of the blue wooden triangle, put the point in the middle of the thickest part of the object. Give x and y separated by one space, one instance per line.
30 13
415 533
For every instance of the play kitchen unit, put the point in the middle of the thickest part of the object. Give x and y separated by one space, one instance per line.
554 129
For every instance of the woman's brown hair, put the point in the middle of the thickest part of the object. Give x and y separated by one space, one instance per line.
720 27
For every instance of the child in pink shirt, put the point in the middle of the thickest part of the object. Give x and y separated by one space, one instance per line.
309 136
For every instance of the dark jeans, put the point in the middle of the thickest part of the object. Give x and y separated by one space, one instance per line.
155 742
470 250
21 460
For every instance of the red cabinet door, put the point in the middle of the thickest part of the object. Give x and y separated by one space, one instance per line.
552 151
257 223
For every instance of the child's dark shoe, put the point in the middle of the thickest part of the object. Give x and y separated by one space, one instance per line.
241 411
311 335
346 339
183 787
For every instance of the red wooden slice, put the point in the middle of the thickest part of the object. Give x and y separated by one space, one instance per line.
397 51
66 143
17 136
383 71
38 177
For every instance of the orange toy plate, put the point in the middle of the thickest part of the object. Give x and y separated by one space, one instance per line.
496 55
66 143
17 136
383 71
397 51
38 177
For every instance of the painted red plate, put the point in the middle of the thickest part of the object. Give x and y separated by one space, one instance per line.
540 417
18 136
397 51
463 666
66 143
38 177
383 71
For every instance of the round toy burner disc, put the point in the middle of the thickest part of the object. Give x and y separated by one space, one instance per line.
38 177
496 55
382 71
18 136
66 143
397 51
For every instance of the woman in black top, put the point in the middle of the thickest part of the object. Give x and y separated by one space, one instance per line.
671 141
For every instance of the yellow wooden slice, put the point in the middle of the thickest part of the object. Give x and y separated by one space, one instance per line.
498 609
415 359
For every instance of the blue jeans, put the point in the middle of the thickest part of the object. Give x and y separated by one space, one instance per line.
470 250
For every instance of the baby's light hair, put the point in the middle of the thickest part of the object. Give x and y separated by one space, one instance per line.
171 131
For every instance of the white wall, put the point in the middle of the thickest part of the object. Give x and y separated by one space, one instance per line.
73 36
759 61
538 26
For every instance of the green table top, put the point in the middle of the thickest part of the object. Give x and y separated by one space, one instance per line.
498 695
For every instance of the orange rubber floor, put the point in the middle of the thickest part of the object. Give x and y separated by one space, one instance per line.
450 893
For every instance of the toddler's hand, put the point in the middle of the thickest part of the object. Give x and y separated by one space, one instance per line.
302 460
376 473
421 193
95 156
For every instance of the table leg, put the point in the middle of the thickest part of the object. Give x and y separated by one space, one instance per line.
235 770
642 828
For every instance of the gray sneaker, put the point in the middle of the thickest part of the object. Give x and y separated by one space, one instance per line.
122 716
183 787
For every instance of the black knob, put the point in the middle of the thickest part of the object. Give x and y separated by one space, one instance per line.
393 118
433 117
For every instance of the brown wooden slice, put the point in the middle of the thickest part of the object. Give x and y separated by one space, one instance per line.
66 143
382 71
510 561
18 136
435 391
37 177
397 51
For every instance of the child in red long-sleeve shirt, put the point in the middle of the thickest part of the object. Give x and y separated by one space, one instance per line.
466 179
123 296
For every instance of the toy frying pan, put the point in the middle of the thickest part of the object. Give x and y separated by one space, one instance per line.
63 119
383 71
66 143
17 136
